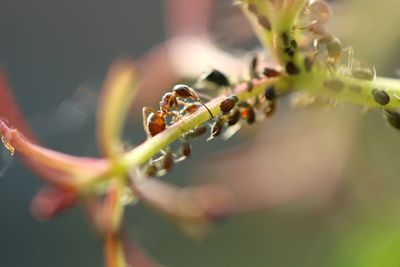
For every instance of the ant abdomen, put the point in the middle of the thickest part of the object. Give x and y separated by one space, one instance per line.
155 124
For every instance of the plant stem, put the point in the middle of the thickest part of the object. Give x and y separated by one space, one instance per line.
312 82
142 153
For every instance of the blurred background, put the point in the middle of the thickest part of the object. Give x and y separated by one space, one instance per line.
316 187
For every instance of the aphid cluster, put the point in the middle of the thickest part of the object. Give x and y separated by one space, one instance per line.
234 111
184 100
316 16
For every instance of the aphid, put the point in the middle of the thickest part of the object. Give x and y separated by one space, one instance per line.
288 51
392 117
293 44
154 121
228 104
334 49
252 8
291 68
199 131
243 104
270 109
150 170
264 22
334 85
247 112
186 149
270 93
285 39
308 63
251 115
381 97
271 73
167 161
216 129
253 67
363 74
250 86
234 118
213 79
184 91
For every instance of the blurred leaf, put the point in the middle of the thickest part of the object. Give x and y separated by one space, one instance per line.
49 202
59 168
117 94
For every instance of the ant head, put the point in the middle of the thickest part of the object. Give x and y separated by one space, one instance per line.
320 11
184 91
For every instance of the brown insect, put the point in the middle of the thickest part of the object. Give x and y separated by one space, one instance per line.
253 68
199 131
228 104
270 109
150 170
251 116
234 118
186 149
167 161
271 73
217 128
270 93
155 121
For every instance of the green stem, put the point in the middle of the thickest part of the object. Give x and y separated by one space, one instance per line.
319 82
353 90
142 153
313 82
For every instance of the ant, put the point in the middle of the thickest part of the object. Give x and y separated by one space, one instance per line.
155 121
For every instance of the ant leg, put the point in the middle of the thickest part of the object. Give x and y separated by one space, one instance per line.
374 72
197 98
350 59
328 66
209 111
185 91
